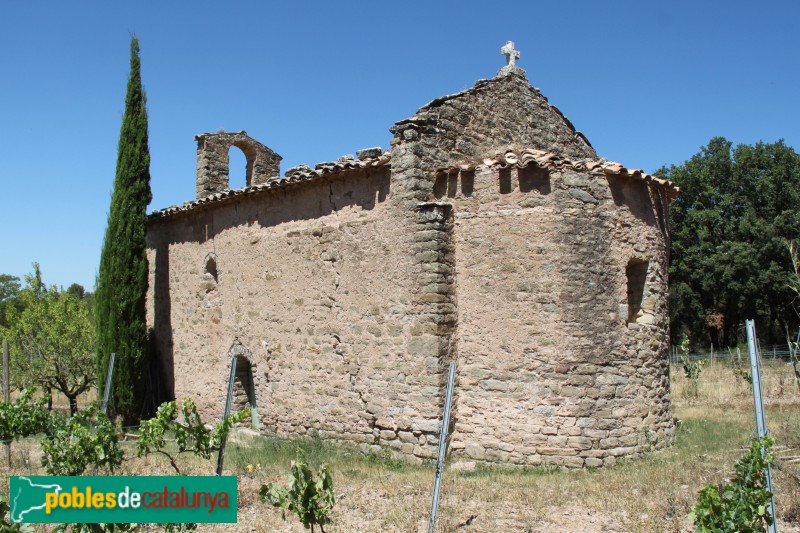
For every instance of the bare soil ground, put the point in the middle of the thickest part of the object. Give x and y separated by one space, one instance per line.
654 493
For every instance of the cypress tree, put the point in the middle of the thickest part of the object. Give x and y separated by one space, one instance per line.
122 279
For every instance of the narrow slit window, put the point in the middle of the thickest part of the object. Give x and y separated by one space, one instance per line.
636 272
440 186
505 180
467 182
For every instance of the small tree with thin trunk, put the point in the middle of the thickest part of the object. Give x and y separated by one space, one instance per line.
52 340
122 280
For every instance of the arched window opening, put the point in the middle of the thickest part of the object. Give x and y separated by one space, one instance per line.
237 168
244 393
211 273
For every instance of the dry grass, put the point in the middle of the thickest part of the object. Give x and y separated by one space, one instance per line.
650 494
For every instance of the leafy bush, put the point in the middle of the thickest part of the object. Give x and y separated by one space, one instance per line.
191 434
311 499
743 374
741 371
88 438
692 370
742 504
23 417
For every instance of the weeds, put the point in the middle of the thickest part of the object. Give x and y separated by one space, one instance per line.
692 371
386 459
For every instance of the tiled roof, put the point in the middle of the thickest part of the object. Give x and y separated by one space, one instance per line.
510 158
293 176
551 161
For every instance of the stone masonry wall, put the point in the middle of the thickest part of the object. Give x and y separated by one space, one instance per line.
550 369
313 281
505 111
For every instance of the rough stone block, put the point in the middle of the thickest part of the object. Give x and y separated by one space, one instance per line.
424 345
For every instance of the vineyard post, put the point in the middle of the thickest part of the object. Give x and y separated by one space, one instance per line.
758 400
6 387
6 395
793 355
448 400
109 376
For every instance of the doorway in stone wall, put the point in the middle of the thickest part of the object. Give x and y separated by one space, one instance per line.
244 391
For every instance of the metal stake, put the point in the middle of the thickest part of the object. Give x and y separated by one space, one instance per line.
6 396
221 457
109 375
451 377
758 400
6 387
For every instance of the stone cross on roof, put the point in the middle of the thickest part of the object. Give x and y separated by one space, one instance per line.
511 54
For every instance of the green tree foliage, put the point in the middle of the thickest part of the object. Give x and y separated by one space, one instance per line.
87 438
9 301
737 208
741 505
122 281
77 290
310 497
52 340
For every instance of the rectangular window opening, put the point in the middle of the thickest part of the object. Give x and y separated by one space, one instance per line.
505 180
636 272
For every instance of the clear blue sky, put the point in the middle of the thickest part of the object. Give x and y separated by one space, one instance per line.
649 83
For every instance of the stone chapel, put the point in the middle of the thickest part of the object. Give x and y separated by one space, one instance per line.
490 233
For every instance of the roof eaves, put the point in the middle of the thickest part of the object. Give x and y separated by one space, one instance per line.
294 177
553 161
